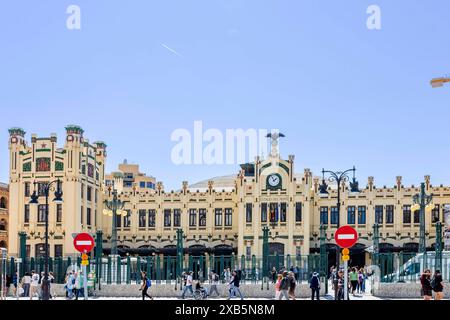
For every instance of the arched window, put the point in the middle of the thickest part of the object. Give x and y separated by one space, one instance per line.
3 203
3 225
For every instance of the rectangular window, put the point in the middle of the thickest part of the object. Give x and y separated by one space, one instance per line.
96 195
88 216
167 218
142 184
298 212
41 189
192 217
228 217
82 191
323 215
82 215
435 214
218 217
390 214
362 215
118 221
26 213
89 194
202 217
127 219
274 212
41 213
58 250
334 215
248 212
263 212
152 218
379 214
417 217
406 214
351 215
283 212
59 213
142 218
27 189
177 218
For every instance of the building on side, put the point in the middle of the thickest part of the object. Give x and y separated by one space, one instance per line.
4 216
79 165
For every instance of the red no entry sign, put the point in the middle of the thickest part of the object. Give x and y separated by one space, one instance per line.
84 242
346 237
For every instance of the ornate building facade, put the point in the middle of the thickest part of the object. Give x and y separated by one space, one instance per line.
222 215
80 167
4 216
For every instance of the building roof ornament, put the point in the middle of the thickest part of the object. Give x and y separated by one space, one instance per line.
274 137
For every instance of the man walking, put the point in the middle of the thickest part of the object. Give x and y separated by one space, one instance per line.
146 284
188 285
315 286
214 280
235 284
34 284
284 287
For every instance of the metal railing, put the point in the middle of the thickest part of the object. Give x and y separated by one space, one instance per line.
163 269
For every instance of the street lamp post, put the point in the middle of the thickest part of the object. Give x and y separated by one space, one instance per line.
422 202
265 251
44 190
338 177
114 208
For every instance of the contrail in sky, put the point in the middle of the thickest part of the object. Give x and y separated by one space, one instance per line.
171 50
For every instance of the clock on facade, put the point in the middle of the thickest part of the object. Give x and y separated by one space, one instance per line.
274 181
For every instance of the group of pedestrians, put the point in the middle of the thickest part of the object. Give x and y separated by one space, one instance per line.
357 278
74 285
285 286
30 285
432 284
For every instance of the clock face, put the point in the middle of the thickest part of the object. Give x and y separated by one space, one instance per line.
274 180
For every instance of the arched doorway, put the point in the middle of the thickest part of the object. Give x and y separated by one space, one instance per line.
197 261
358 255
222 256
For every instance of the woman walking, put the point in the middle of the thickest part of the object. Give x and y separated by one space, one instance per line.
437 285
293 285
425 281
146 284
277 287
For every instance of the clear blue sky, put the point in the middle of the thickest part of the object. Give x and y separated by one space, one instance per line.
344 95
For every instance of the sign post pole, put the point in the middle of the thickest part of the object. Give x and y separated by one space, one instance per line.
345 280
85 282
84 243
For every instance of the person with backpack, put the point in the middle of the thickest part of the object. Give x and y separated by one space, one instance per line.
284 286
438 287
146 284
315 286
214 280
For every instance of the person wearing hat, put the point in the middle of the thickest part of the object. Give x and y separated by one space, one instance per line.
315 286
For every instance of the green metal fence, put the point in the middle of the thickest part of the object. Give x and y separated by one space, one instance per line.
163 269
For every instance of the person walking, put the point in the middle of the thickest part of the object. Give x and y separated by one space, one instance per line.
214 281
438 287
341 285
335 282
15 283
425 281
26 284
236 281
34 286
277 287
51 281
292 285
315 286
284 287
70 283
274 274
188 286
79 285
146 284
354 280
362 281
